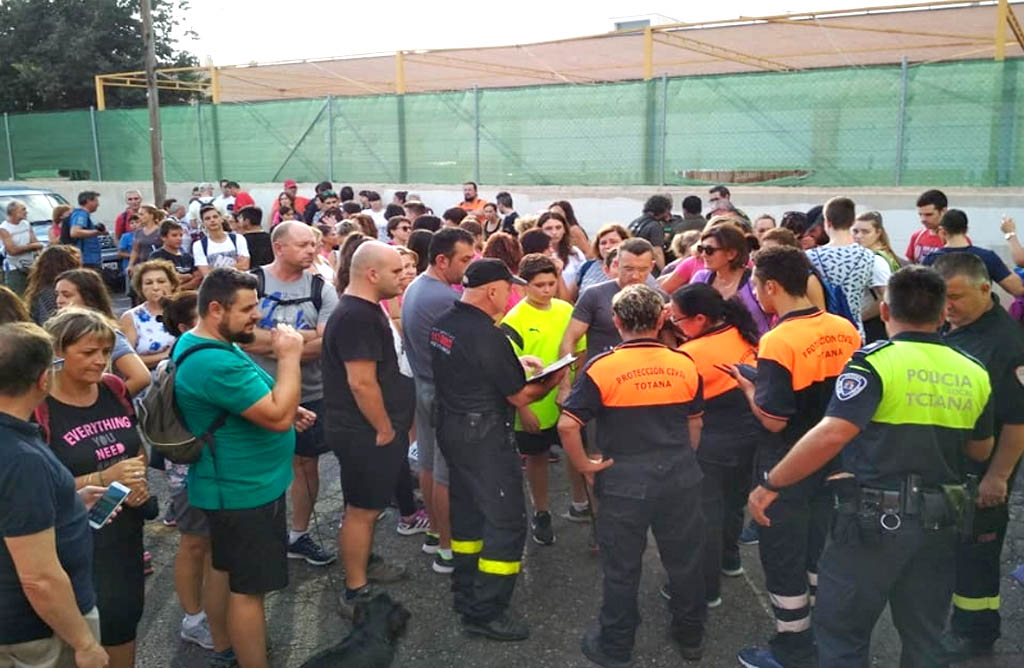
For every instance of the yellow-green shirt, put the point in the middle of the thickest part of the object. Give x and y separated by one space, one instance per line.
537 332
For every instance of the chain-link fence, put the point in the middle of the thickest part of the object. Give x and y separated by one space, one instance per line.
949 124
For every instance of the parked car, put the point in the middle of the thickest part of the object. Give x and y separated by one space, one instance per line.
40 202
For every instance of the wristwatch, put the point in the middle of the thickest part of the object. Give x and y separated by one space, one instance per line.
767 483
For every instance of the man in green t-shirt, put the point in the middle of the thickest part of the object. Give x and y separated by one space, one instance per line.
535 327
242 487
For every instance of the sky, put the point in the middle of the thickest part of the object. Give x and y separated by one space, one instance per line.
238 32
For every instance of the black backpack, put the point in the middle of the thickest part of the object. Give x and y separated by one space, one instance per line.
161 420
65 233
316 289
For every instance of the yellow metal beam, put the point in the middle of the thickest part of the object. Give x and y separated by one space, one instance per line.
399 73
1002 20
887 31
722 53
1015 27
214 84
648 53
101 98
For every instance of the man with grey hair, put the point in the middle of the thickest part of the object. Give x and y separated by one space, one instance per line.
132 202
369 405
639 393
291 295
19 246
978 325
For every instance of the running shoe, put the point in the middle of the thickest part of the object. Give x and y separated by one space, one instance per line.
431 543
225 659
579 516
197 634
749 535
348 602
543 534
306 548
758 657
416 523
442 565
732 568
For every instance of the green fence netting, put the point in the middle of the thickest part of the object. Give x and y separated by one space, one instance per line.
949 124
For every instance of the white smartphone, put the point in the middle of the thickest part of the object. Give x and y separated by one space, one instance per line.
110 501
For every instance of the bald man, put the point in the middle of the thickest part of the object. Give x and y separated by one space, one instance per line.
369 407
290 294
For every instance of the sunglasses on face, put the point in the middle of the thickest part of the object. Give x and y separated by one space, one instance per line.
706 250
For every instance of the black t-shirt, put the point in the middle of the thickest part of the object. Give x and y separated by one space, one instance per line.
183 262
475 367
93 438
359 330
38 493
260 250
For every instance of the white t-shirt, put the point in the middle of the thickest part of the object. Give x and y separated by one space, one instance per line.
220 253
225 204
20 235
576 260
193 210
380 221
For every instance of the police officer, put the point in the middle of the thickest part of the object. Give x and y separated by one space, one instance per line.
977 324
479 380
903 414
640 393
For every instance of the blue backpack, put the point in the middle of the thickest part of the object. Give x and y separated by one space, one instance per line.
835 297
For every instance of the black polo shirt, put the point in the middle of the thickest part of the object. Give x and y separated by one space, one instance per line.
38 493
997 341
475 368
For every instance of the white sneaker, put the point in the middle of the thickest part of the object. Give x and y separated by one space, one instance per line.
198 634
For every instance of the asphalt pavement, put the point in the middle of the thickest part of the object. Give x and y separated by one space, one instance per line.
558 591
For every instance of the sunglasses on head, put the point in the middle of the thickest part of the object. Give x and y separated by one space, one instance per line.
706 250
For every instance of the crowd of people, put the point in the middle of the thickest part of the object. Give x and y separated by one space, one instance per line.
688 366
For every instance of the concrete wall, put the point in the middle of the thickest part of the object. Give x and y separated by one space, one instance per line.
597 205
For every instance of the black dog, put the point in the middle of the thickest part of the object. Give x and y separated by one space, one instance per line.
376 627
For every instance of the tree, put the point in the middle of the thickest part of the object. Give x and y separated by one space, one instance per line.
50 50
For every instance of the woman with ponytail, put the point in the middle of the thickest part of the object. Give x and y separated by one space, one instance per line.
720 333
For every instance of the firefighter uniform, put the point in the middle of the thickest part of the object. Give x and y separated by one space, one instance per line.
642 395
798 362
997 341
475 370
917 402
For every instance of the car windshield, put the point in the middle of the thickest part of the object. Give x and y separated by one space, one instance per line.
39 205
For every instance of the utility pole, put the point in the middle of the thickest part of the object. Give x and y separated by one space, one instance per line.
153 102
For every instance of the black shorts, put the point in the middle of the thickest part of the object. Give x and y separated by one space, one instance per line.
251 545
536 444
369 472
310 443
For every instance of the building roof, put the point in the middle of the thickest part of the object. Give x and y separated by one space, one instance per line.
938 31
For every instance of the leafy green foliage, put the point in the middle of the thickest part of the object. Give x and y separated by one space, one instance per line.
50 50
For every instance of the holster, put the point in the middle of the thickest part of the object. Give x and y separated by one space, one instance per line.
878 512
962 503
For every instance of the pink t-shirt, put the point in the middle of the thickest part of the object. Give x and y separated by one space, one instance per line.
688 267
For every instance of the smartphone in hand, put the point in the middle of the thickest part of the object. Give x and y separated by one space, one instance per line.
108 504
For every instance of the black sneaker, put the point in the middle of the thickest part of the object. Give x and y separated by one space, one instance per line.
580 516
364 594
749 535
225 659
505 627
959 648
591 646
442 565
431 543
306 548
732 568
543 534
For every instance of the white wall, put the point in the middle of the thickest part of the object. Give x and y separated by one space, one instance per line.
598 205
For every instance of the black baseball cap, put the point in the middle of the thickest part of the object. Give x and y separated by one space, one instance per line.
488 270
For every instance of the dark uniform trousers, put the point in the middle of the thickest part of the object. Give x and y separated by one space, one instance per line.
976 596
724 492
637 493
910 569
488 510
789 551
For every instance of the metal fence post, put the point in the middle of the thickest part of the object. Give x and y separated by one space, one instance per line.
664 128
476 133
901 120
199 130
10 148
95 143
330 138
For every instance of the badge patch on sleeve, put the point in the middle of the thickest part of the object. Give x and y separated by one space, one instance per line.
849 385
